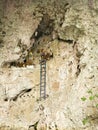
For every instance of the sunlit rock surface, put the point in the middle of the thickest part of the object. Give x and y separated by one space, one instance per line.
69 29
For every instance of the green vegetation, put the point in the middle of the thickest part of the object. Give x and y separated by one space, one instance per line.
83 98
85 121
92 97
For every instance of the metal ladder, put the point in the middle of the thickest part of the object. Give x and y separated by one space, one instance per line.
42 79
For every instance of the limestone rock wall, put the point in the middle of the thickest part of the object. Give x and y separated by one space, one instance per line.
69 30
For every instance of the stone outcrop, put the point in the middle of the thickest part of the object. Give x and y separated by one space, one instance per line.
66 31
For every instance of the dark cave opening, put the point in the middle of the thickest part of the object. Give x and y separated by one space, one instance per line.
45 28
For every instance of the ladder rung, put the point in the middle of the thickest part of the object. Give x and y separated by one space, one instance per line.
43 74
43 68
42 92
43 71
42 60
43 63
43 83
43 77
43 80
42 89
42 86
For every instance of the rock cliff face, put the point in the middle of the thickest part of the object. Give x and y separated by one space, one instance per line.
67 32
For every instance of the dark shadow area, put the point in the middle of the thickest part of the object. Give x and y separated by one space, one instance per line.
45 27
69 41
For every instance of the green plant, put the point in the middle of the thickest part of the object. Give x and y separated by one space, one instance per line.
96 95
90 91
91 97
83 98
97 105
85 121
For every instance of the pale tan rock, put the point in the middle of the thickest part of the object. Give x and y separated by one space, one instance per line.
70 73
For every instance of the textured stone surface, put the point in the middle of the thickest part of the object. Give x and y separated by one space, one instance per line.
71 72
